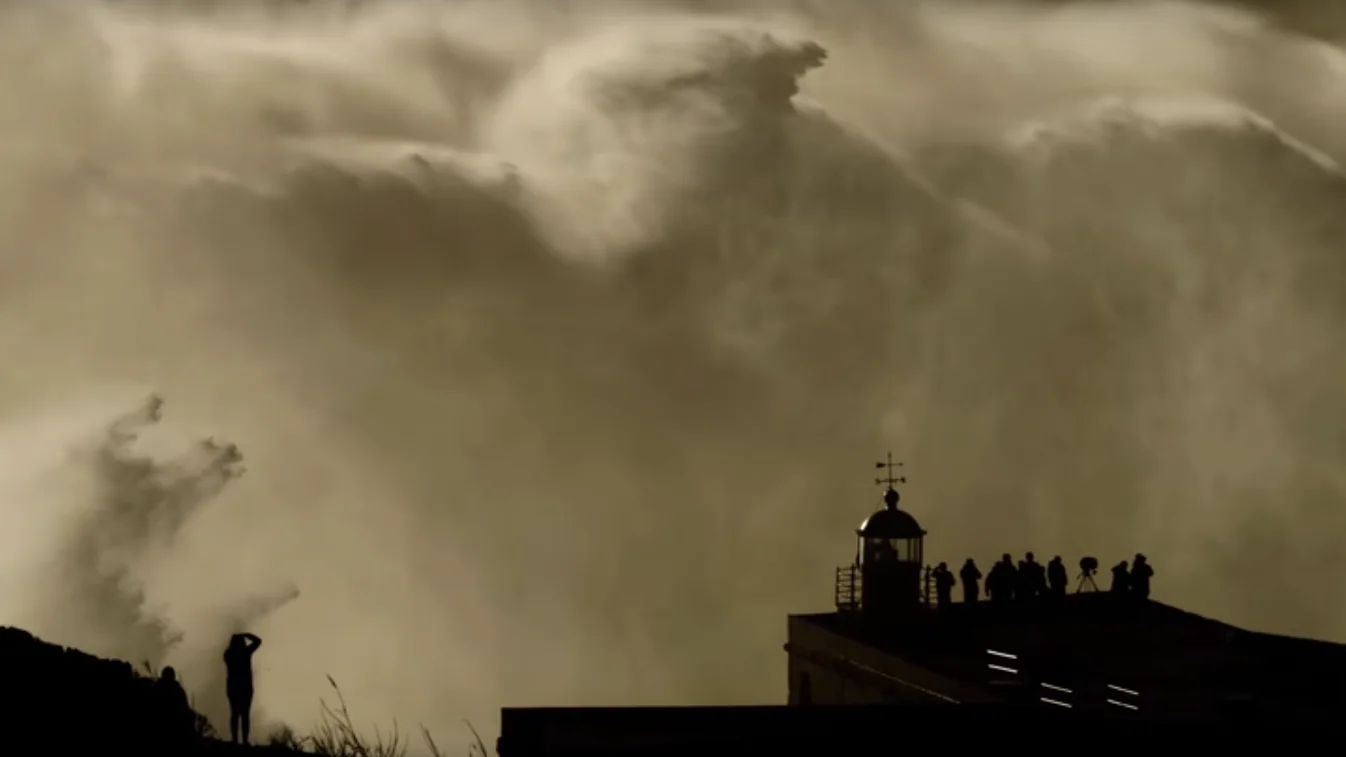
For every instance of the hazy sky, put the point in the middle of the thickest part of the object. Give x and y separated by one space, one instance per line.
559 347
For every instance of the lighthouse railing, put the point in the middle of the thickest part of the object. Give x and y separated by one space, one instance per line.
848 588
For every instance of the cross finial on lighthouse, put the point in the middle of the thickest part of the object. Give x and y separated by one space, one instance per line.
890 495
890 479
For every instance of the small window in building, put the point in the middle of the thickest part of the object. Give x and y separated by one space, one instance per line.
805 688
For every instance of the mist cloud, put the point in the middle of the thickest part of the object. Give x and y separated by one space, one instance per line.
558 340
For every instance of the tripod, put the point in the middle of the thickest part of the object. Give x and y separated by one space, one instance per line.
1086 577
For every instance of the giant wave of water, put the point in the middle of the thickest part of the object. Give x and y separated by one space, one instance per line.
557 339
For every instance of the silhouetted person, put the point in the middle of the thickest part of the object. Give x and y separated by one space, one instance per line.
1011 578
1141 572
1000 584
238 685
1121 578
995 582
176 709
1033 577
971 576
1057 577
944 582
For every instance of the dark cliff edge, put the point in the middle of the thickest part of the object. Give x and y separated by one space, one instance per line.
59 699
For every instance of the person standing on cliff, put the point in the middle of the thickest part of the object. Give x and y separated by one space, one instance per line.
238 683
174 707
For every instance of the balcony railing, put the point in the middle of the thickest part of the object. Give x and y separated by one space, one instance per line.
848 588
849 582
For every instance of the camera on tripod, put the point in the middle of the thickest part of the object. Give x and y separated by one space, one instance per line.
1088 567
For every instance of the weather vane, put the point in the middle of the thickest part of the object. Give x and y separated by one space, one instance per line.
890 479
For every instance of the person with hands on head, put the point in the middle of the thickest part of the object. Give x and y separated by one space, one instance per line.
238 683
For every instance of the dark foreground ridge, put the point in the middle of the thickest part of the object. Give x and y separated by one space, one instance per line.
62 700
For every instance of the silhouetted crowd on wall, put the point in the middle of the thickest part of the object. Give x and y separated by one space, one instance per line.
1031 581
